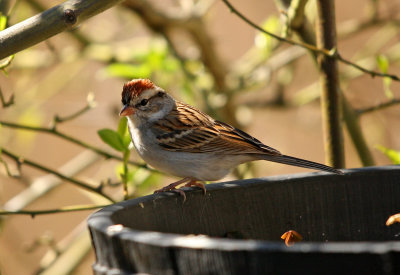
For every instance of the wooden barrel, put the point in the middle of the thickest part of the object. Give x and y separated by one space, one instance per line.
236 227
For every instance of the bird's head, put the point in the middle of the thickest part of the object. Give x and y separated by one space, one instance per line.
143 100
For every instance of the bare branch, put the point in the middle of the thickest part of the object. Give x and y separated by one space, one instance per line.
44 184
81 38
379 106
333 53
71 139
49 23
11 175
365 70
6 62
71 251
330 88
356 134
5 103
191 22
59 119
295 16
33 213
90 105
84 185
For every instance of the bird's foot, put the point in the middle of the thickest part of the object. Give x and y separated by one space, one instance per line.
190 182
197 184
172 187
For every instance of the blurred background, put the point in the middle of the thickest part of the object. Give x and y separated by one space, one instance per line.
68 88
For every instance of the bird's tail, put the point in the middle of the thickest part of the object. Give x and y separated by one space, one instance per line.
301 163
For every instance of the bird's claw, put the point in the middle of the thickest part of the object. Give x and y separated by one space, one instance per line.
172 187
180 192
196 184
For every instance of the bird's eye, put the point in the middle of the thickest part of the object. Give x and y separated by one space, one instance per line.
144 102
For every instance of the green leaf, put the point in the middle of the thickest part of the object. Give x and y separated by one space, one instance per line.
155 58
127 140
383 63
122 126
393 155
129 70
386 87
3 22
264 41
124 133
112 138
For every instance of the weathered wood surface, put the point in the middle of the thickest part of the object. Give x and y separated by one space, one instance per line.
342 220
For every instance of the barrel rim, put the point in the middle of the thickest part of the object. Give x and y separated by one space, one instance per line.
101 221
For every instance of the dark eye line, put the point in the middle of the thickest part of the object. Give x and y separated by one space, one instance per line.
144 101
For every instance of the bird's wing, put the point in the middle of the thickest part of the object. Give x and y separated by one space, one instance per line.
187 129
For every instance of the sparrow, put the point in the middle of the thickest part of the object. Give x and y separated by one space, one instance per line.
179 139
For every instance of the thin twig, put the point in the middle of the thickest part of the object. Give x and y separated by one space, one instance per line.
354 128
46 240
44 184
72 250
365 70
379 106
181 59
59 119
348 28
5 103
333 53
90 105
84 185
125 174
71 139
66 209
192 23
295 18
4 64
7 168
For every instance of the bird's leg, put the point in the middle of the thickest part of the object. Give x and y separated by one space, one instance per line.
190 182
196 183
172 187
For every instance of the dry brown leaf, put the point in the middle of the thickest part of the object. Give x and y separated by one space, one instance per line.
392 219
291 237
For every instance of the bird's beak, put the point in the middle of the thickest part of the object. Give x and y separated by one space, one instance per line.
127 111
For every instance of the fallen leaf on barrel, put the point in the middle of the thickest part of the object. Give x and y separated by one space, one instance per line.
392 219
291 237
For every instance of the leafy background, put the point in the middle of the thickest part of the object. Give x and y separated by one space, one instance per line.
82 72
